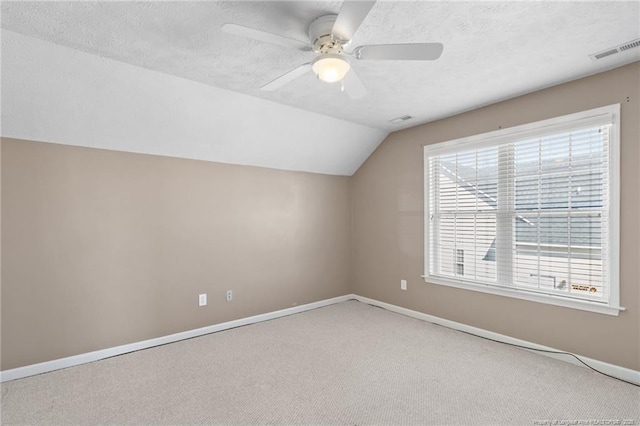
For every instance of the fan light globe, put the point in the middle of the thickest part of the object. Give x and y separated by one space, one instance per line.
330 68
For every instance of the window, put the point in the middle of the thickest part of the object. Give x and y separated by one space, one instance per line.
529 212
459 261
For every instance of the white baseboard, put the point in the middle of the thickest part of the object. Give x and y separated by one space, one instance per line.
623 373
627 374
57 364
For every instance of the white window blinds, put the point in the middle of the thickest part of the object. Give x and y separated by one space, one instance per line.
527 209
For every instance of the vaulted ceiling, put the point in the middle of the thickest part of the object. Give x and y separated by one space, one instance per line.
492 51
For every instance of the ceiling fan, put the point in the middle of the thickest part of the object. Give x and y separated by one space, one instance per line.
329 35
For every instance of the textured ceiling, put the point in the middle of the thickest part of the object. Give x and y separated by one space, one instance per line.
492 50
51 93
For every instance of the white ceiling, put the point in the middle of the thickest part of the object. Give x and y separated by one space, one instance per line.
52 93
492 51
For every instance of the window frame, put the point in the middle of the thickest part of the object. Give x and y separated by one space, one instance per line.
596 116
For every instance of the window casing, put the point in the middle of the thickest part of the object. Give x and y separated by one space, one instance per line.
529 212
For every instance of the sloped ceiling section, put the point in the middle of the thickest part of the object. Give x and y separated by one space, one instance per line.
493 50
163 77
57 94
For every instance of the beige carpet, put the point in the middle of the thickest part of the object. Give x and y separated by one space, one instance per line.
348 363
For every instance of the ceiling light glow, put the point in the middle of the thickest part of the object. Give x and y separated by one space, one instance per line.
330 67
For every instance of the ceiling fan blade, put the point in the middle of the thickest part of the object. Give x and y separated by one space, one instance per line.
351 15
353 86
259 35
286 78
399 52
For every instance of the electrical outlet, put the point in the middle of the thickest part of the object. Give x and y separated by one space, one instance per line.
403 284
229 295
202 299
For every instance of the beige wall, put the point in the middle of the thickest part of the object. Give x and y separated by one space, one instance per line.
105 248
388 225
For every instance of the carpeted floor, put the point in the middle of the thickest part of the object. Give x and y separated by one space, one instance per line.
349 363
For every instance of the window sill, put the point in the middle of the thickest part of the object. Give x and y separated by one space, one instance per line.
584 305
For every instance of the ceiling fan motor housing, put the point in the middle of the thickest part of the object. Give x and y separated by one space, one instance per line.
320 35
